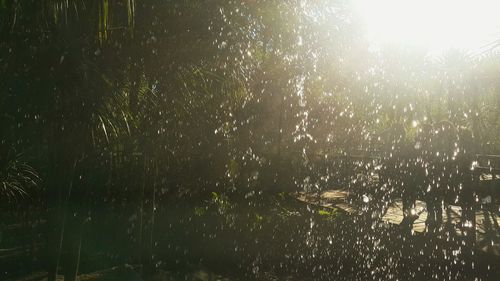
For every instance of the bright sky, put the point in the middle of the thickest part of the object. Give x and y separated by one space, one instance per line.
436 25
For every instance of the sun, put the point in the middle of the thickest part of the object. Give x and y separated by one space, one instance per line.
435 25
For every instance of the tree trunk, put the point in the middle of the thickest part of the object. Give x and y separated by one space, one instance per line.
58 193
72 246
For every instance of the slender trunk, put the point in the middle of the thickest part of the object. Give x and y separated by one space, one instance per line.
469 210
64 213
59 177
73 242
77 209
54 232
141 212
148 250
153 210
277 177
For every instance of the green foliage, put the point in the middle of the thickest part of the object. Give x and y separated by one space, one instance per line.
329 214
221 202
223 93
17 178
130 104
199 211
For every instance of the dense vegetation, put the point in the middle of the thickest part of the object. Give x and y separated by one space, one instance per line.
114 113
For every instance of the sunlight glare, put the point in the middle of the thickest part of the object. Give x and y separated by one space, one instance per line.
435 25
